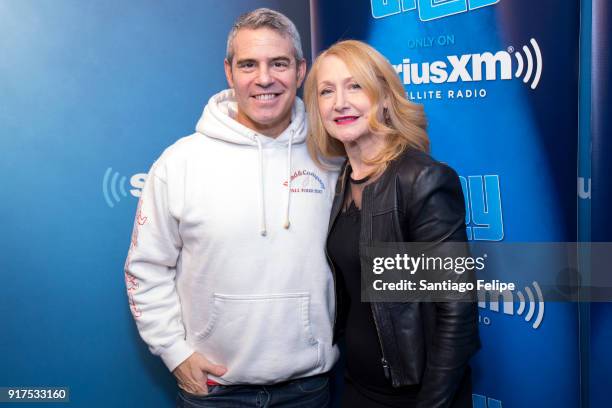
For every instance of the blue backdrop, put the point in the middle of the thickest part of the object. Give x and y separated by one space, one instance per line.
599 192
91 92
499 81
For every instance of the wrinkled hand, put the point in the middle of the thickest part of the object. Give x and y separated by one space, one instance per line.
192 374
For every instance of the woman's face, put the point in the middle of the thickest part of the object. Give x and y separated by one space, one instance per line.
343 105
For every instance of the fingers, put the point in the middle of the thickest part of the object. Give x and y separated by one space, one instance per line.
190 377
194 388
211 368
215 369
198 379
192 374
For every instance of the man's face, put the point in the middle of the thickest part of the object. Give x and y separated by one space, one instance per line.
265 77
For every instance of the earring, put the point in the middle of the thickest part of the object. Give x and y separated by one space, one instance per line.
386 116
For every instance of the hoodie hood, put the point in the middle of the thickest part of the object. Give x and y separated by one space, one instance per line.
218 122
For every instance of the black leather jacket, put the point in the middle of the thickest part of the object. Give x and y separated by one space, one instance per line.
417 199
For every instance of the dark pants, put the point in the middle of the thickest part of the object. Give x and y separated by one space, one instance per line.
311 392
354 398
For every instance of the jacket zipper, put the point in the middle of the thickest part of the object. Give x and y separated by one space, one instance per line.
383 360
331 264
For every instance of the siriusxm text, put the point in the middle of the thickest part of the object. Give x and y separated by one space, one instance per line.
427 9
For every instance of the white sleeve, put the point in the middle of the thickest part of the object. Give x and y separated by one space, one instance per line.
150 271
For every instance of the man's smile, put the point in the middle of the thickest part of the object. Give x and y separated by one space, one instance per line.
264 97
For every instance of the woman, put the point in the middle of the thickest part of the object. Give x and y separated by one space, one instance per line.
389 190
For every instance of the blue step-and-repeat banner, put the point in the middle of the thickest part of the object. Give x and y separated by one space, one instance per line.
499 82
597 170
92 92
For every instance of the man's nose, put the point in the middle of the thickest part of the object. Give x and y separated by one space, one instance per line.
264 79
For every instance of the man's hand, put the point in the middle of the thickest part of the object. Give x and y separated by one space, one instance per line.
191 374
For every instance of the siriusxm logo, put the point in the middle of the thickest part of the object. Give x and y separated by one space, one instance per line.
483 215
476 67
113 186
481 401
534 302
428 9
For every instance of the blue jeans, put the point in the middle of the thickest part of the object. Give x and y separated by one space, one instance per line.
310 392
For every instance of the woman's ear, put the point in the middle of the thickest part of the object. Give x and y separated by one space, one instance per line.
385 101
385 109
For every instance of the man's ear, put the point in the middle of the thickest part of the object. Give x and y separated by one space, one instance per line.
228 73
301 72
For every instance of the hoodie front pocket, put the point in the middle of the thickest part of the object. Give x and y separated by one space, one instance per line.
260 338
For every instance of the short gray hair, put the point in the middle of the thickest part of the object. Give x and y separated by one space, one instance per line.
265 18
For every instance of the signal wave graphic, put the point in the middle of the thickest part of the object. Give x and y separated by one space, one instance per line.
534 60
113 183
531 305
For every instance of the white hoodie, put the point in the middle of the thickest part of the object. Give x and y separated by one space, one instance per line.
226 262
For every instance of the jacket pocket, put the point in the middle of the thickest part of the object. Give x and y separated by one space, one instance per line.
408 331
261 339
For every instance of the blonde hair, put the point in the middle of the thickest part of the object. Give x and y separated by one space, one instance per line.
403 124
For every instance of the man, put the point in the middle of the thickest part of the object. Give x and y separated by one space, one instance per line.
227 278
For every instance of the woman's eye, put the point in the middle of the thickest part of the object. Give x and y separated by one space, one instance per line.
355 86
324 92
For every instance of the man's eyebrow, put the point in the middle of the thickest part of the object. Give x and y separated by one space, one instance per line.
254 61
244 61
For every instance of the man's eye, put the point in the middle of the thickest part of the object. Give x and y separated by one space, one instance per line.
281 64
246 65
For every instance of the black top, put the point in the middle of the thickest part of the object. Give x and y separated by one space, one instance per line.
364 369
426 345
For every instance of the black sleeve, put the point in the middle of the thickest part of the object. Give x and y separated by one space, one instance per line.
436 213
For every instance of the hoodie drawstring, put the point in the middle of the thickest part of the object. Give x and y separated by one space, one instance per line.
287 223
262 207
